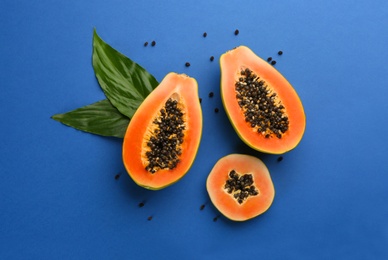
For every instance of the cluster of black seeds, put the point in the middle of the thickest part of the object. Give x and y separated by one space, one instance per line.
241 186
166 139
259 105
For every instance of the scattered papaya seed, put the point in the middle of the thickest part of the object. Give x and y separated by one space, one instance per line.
153 43
200 100
280 52
269 59
145 44
280 158
187 64
236 32
211 94
117 176
204 34
149 218
211 58
141 204
216 218
216 110
273 62
202 207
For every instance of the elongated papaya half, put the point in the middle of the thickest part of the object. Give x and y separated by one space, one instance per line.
163 136
263 107
240 187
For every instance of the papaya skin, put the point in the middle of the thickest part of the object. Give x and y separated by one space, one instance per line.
179 87
225 202
231 63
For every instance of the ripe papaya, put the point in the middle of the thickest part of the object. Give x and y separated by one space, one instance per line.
263 107
163 136
240 187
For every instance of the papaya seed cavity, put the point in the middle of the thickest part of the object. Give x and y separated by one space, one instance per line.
260 105
165 141
240 186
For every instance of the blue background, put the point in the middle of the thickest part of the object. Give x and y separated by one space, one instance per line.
59 198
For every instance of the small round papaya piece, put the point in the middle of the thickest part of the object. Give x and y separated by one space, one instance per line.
240 187
163 136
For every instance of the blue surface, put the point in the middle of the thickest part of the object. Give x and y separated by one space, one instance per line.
59 198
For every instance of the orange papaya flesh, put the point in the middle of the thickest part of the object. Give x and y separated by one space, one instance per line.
163 136
240 187
263 107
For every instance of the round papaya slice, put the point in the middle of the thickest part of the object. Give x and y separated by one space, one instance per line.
263 107
240 187
163 136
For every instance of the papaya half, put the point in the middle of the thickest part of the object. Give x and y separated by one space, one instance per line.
240 187
263 107
163 136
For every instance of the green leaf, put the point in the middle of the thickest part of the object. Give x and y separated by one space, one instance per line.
124 82
100 118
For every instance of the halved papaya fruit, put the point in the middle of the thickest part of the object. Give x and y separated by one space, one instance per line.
263 107
163 136
240 187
